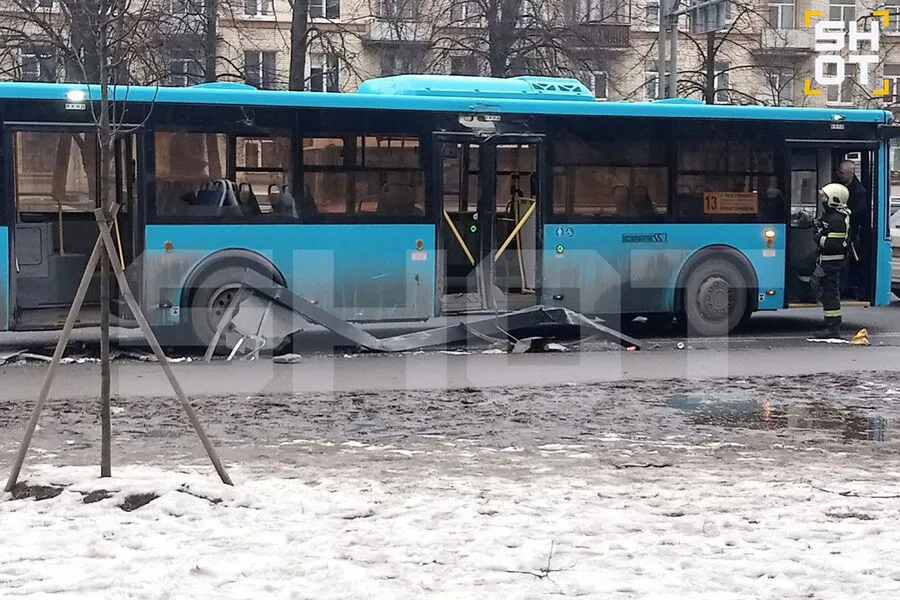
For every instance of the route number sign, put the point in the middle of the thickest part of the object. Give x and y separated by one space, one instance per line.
730 203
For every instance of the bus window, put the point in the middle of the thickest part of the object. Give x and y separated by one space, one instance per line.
262 170
728 174
186 165
55 172
327 189
618 178
804 173
364 175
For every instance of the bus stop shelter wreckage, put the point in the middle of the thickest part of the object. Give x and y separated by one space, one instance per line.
270 312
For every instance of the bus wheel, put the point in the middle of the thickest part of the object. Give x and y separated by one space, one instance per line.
715 298
209 303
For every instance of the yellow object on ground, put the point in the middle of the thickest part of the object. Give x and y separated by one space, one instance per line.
861 338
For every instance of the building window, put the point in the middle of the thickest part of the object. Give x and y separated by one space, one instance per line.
892 74
255 8
894 24
463 65
324 9
184 71
651 82
651 14
781 14
259 67
324 73
722 83
186 7
463 12
843 92
396 62
842 10
40 63
45 4
398 9
597 82
596 10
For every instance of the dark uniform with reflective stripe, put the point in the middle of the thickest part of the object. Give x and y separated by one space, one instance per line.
832 236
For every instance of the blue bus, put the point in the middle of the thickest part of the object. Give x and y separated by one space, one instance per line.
420 196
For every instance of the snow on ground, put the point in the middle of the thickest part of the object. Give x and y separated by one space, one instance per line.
665 497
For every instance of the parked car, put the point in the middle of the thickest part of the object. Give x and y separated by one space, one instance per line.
895 253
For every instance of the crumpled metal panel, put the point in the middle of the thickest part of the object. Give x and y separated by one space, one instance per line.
439 336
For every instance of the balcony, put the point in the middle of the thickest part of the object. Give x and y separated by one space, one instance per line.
790 42
601 35
382 31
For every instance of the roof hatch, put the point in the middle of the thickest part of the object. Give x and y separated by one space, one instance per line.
459 86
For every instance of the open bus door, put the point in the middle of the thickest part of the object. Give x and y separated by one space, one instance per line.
490 231
813 164
53 175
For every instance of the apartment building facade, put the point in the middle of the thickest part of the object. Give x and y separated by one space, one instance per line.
765 54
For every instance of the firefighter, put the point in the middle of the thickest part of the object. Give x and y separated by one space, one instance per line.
832 232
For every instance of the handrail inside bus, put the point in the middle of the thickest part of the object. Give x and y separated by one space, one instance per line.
515 230
459 238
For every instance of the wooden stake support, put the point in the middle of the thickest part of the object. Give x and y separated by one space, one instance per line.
105 241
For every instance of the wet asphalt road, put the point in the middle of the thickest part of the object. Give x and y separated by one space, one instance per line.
638 422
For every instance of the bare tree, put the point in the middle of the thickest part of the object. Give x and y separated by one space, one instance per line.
97 42
754 59
503 37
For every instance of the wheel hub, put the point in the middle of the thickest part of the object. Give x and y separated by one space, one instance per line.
714 299
219 302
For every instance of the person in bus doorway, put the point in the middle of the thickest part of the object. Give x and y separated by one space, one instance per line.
832 232
860 230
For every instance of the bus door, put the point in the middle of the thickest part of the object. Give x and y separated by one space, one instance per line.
813 164
53 174
490 221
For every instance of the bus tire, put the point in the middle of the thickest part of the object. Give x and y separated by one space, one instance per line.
715 300
209 302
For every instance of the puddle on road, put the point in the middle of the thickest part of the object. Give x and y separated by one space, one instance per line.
741 412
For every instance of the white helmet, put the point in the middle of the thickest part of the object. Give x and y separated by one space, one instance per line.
835 195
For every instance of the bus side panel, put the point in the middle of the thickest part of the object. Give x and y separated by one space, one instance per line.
359 272
628 268
4 279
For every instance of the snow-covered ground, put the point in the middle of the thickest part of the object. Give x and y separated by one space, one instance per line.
719 490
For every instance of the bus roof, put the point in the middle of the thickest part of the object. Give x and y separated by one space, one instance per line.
444 93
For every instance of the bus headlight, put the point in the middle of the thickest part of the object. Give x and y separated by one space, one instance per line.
770 237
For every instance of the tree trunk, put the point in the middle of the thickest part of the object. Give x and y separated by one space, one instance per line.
105 135
710 68
211 41
299 33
